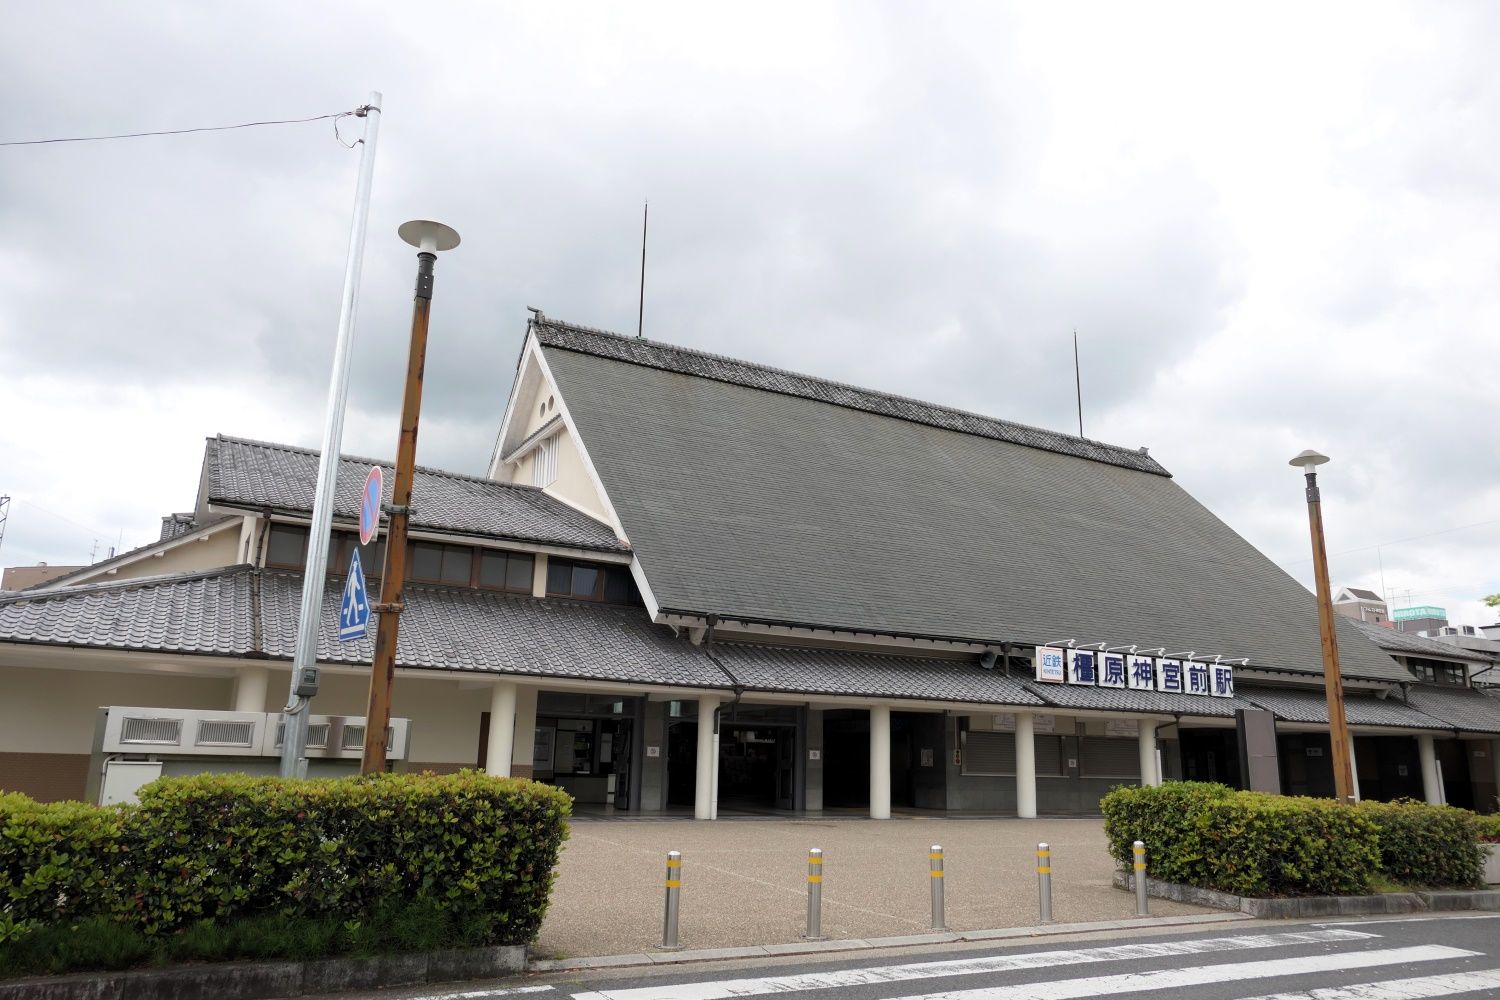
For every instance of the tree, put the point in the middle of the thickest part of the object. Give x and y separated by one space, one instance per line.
1493 600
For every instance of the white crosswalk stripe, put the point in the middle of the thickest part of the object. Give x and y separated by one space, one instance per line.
1202 975
486 994
1403 989
729 988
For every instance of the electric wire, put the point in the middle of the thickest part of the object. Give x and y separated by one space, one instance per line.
183 131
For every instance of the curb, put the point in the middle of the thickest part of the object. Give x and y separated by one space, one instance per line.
1295 907
274 980
868 944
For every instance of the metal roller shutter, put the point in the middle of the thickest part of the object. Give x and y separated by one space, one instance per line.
1109 757
1049 757
989 753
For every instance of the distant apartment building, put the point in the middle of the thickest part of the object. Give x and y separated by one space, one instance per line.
1361 605
22 577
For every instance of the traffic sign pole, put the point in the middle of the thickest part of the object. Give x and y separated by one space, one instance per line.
304 682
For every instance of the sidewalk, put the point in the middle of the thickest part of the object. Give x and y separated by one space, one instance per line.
743 883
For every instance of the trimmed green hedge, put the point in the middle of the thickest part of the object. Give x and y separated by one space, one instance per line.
214 849
1489 828
1430 846
1253 844
1246 843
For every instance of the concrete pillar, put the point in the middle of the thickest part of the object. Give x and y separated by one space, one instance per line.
880 762
250 686
502 729
1427 753
1025 766
539 575
708 759
522 757
1353 765
1146 740
812 797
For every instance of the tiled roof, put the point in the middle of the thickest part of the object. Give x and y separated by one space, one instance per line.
255 475
451 628
803 670
759 496
1125 700
206 613
1461 708
638 351
1361 710
173 525
1409 642
1363 595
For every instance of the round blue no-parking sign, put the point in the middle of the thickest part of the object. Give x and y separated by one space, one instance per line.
369 507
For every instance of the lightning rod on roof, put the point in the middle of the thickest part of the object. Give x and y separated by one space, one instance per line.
1078 381
640 316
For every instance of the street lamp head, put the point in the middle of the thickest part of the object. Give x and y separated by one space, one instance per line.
1308 459
428 236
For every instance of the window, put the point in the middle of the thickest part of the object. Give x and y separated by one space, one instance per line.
1436 671
544 463
287 546
506 571
589 582
371 557
432 562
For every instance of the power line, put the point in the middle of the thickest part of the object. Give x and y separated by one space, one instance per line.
1397 541
360 111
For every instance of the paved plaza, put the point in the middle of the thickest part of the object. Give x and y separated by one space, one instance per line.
744 881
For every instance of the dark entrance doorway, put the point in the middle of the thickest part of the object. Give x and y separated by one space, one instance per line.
1453 762
756 766
1306 764
682 763
846 759
1388 768
1210 755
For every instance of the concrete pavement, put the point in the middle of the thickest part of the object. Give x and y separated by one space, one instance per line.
743 882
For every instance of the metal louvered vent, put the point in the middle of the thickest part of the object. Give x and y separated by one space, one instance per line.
354 737
231 733
156 732
317 735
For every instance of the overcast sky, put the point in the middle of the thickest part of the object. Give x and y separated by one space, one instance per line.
1273 227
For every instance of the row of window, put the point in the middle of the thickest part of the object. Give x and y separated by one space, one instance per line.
1436 671
459 566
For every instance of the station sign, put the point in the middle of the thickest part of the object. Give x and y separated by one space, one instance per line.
1133 672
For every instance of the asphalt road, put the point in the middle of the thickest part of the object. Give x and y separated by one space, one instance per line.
1397 959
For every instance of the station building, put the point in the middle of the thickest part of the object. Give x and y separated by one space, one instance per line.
690 583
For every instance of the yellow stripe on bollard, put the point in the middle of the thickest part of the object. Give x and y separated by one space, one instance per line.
815 861
1044 869
936 874
674 883
815 878
1140 866
935 856
674 864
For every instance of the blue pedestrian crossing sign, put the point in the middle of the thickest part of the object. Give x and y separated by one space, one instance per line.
354 611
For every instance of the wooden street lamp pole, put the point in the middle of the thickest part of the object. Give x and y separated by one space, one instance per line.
429 237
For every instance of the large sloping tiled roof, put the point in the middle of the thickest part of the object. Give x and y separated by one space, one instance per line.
1124 700
649 353
1361 710
803 670
757 495
257 475
206 613
1461 708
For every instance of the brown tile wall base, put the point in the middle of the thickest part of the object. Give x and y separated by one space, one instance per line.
417 767
520 770
46 777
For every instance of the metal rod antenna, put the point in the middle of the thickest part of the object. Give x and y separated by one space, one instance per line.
640 316
304 682
1078 382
